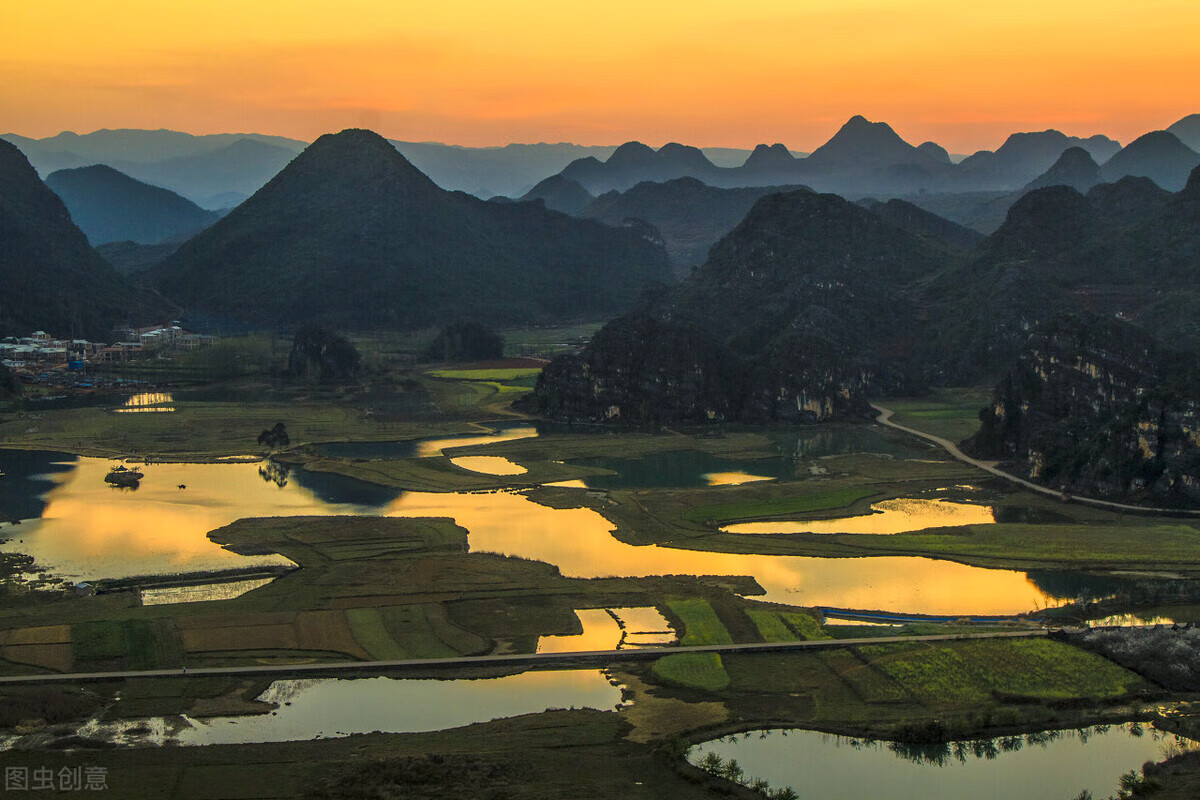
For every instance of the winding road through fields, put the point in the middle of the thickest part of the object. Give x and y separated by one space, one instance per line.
885 418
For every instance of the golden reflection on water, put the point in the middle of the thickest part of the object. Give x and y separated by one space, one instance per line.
600 632
733 478
331 708
148 402
90 530
434 447
579 542
892 516
489 465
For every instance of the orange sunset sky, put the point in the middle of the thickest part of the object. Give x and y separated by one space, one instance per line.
705 73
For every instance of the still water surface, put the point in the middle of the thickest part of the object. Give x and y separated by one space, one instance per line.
888 516
89 530
1048 766
329 708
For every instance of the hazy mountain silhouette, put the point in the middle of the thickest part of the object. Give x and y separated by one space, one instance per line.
862 144
1075 168
560 194
131 144
770 159
633 163
1025 156
50 278
109 206
863 159
918 221
486 171
980 211
1159 156
935 151
350 233
689 215
128 258
241 166
1187 130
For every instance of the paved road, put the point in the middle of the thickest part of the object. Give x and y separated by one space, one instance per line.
591 658
885 418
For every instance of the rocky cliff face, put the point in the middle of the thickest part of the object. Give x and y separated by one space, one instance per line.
1097 407
644 370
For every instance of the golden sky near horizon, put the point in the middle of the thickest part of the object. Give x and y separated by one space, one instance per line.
701 72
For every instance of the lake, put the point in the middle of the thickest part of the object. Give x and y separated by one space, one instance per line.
1054 765
80 528
326 708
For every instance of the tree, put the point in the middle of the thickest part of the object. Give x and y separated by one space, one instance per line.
466 341
733 771
275 437
319 353
9 385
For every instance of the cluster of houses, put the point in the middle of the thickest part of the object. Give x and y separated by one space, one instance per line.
40 350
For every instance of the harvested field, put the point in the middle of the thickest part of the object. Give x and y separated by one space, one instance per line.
56 657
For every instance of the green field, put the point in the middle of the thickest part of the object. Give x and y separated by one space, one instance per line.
700 623
702 671
778 507
974 672
950 413
501 375
771 626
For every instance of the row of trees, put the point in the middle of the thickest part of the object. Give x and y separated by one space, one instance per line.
731 770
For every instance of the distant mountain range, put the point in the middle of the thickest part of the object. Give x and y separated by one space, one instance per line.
50 278
796 312
811 302
215 179
109 206
1159 156
221 170
1187 130
352 234
689 215
559 194
863 159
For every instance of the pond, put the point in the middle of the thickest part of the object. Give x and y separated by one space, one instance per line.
327 708
488 465
1053 765
612 629
888 516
